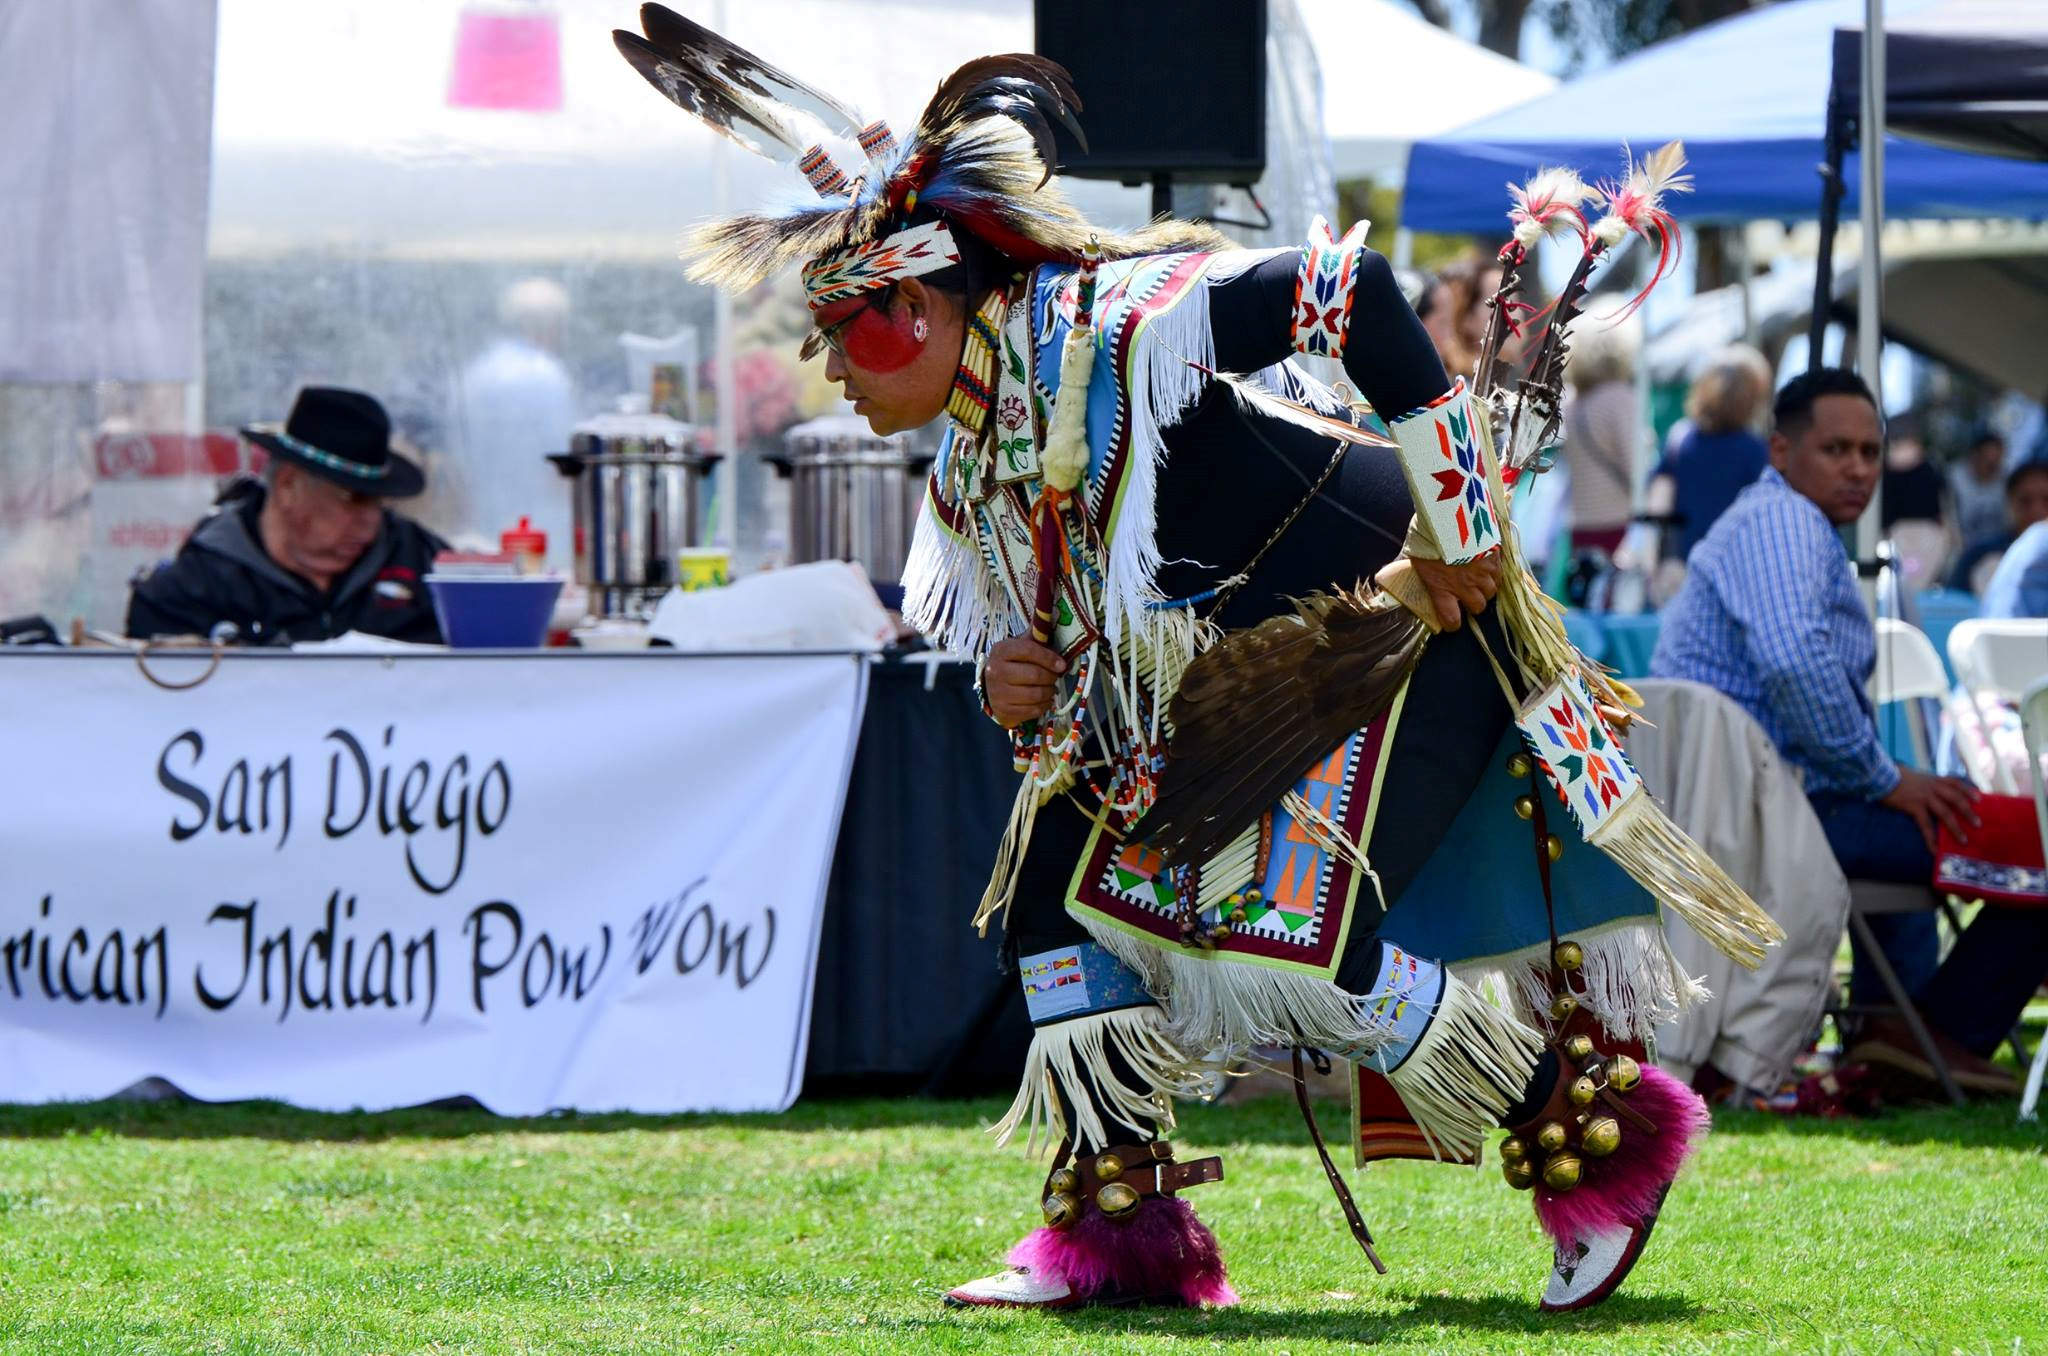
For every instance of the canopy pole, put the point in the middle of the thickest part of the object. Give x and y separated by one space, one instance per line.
1870 276
1831 193
1738 251
726 531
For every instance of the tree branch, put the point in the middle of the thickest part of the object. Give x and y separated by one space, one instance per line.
1436 11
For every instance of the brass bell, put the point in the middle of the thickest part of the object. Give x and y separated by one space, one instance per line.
1117 1200
1064 1182
1579 1047
1254 897
1563 1171
1602 1136
1563 1006
1525 807
1061 1210
1521 1176
1569 955
1238 917
1220 933
1551 1136
1108 1167
1583 1091
1512 1150
1519 766
1553 846
1623 1074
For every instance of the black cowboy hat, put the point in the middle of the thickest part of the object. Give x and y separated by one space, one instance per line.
343 436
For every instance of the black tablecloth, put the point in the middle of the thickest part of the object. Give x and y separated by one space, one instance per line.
908 997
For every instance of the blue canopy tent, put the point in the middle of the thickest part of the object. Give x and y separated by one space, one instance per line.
1749 97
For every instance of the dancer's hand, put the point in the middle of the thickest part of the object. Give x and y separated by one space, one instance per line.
1019 680
1455 588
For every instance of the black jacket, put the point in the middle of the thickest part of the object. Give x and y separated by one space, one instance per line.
223 574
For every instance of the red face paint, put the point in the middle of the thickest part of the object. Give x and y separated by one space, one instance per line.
874 339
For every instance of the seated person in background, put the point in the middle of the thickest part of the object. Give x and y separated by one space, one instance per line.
1770 615
1913 489
311 551
1721 454
2026 503
1977 487
2019 586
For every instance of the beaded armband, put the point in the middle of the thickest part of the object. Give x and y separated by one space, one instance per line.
1322 290
1446 475
1579 754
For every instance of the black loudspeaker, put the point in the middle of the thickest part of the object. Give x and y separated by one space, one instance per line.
1170 87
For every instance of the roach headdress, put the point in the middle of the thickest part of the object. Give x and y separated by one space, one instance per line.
979 162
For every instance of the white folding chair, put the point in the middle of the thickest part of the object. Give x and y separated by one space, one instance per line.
2034 720
2000 657
1908 668
1997 661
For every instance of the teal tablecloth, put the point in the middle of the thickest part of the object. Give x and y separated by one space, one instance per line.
1623 644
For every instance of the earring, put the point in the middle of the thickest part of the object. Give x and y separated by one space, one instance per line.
919 329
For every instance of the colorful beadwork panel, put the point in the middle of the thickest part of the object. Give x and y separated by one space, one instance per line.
1447 476
1578 753
1322 290
1308 893
1077 980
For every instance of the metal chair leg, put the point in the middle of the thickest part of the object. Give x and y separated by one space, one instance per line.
1890 979
2032 1096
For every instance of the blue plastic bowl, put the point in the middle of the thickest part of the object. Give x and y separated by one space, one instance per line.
494 614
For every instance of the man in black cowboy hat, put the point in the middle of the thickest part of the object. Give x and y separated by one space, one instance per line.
311 551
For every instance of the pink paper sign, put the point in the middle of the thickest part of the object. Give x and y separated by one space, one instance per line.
507 61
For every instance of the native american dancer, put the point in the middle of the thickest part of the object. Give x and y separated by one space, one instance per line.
1224 616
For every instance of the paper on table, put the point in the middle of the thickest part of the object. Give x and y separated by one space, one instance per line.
825 605
359 642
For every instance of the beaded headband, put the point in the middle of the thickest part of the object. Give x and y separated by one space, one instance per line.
906 254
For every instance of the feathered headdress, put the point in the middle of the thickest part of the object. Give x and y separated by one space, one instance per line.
978 161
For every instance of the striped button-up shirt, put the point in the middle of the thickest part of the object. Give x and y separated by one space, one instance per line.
1770 615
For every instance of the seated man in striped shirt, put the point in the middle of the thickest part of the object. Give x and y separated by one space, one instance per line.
1771 616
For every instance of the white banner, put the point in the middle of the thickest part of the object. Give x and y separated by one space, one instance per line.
362 881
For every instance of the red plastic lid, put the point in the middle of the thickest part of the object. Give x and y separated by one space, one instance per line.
524 539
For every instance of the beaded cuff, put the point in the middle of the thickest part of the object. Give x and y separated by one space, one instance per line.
1579 755
1322 290
1446 475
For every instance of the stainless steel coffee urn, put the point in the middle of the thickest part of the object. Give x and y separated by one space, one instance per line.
853 494
638 490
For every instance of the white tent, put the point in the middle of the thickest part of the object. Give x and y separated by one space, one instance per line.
332 123
1391 78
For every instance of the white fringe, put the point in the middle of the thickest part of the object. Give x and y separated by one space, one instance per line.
1224 265
949 592
1073 1056
1633 980
1470 1066
1643 840
1164 384
1231 868
1221 1008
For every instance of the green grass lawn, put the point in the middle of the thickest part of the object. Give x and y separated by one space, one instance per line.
136 1228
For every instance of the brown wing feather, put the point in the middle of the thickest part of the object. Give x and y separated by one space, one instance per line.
1255 712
